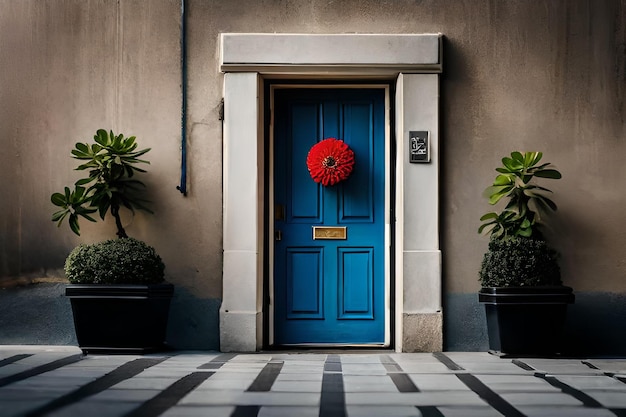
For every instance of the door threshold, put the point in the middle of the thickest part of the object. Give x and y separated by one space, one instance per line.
333 345
330 348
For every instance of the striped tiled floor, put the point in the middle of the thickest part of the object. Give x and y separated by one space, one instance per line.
61 382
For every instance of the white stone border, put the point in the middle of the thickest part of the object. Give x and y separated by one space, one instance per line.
414 61
337 53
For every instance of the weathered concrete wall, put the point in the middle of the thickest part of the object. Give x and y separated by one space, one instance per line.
544 75
71 67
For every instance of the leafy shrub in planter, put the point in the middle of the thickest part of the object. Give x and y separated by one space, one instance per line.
518 255
519 262
116 261
525 303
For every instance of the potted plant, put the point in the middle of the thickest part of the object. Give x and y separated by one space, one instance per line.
525 301
119 299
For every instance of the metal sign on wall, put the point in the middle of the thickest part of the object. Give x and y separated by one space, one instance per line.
419 149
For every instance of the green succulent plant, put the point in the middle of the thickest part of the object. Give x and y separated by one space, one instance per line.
110 185
526 200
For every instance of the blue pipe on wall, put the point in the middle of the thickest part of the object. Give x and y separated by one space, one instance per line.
183 108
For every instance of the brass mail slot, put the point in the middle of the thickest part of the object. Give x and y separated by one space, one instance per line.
320 232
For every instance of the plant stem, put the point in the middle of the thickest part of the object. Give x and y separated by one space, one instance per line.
115 211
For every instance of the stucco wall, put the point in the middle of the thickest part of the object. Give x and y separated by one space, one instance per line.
71 67
542 75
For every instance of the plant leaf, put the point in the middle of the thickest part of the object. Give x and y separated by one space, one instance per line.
489 216
58 199
73 220
512 165
548 173
503 179
545 203
517 156
496 192
59 216
84 181
482 227
536 158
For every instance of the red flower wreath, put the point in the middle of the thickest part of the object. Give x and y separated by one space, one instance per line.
330 161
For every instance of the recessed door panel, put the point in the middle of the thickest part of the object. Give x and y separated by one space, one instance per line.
304 196
304 283
356 201
356 284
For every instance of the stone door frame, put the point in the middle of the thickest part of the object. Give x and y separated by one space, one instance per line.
414 62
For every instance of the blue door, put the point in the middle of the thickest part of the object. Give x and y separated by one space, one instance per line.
329 253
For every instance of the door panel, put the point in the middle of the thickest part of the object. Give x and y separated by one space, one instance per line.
356 285
329 290
304 283
305 199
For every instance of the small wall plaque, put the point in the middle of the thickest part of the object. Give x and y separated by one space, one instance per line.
419 147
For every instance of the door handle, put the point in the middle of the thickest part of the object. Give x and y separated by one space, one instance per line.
278 235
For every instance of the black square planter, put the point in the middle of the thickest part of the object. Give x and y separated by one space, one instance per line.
120 318
526 320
